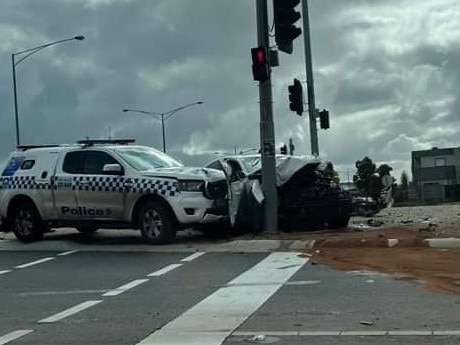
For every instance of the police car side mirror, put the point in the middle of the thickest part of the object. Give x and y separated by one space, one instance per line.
112 169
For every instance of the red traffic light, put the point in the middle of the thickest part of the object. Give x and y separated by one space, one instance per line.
259 55
260 64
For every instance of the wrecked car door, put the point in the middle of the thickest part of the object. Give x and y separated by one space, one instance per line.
236 189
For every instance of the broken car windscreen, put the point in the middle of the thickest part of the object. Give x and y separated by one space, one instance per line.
143 159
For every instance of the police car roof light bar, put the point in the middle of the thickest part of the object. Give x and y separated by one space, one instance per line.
90 142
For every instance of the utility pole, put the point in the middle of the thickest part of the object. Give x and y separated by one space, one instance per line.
310 85
267 128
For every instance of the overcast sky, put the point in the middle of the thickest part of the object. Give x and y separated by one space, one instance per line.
388 71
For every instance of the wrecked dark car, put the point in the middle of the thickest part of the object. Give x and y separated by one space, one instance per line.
368 206
308 197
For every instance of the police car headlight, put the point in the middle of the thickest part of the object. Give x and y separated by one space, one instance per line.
191 186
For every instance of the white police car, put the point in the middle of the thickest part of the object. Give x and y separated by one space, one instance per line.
106 184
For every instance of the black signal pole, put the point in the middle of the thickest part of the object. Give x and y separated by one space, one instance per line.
267 128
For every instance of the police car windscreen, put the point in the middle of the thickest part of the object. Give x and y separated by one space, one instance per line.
143 158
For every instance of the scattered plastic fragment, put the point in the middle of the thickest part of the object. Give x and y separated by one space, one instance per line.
408 221
430 228
374 223
259 337
367 323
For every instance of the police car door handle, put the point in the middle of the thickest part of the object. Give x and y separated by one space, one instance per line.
128 183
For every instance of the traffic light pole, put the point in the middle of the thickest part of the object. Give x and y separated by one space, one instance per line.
267 129
310 85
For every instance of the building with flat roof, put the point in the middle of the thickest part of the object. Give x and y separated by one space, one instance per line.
435 173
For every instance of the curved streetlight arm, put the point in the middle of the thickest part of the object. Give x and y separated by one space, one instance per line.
149 113
37 49
172 112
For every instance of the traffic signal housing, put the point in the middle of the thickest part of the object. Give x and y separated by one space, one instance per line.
260 64
324 119
285 16
284 150
296 97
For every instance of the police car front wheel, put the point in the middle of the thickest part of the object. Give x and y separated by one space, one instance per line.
26 223
157 223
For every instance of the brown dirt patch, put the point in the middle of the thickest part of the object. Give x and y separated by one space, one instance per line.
435 269
371 238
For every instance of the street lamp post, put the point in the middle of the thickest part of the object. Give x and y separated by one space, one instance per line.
163 117
15 63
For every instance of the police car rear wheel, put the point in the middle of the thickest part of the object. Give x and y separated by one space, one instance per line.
26 223
156 223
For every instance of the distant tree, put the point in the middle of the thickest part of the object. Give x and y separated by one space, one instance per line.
401 190
384 169
404 186
365 169
368 178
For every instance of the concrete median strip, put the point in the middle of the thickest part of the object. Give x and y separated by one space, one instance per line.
355 333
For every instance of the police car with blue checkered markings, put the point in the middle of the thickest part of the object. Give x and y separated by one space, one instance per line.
106 184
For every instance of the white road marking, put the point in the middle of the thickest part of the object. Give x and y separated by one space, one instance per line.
213 319
193 256
4 272
319 333
70 311
304 282
164 270
410 333
452 333
67 253
126 287
34 262
66 292
364 333
14 335
268 333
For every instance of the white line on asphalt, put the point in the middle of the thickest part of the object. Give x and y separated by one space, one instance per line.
14 335
164 270
410 333
34 262
304 282
70 311
213 319
452 333
126 287
3 272
319 333
193 256
66 292
67 253
364 333
268 333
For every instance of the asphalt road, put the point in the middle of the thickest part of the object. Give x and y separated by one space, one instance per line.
147 297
